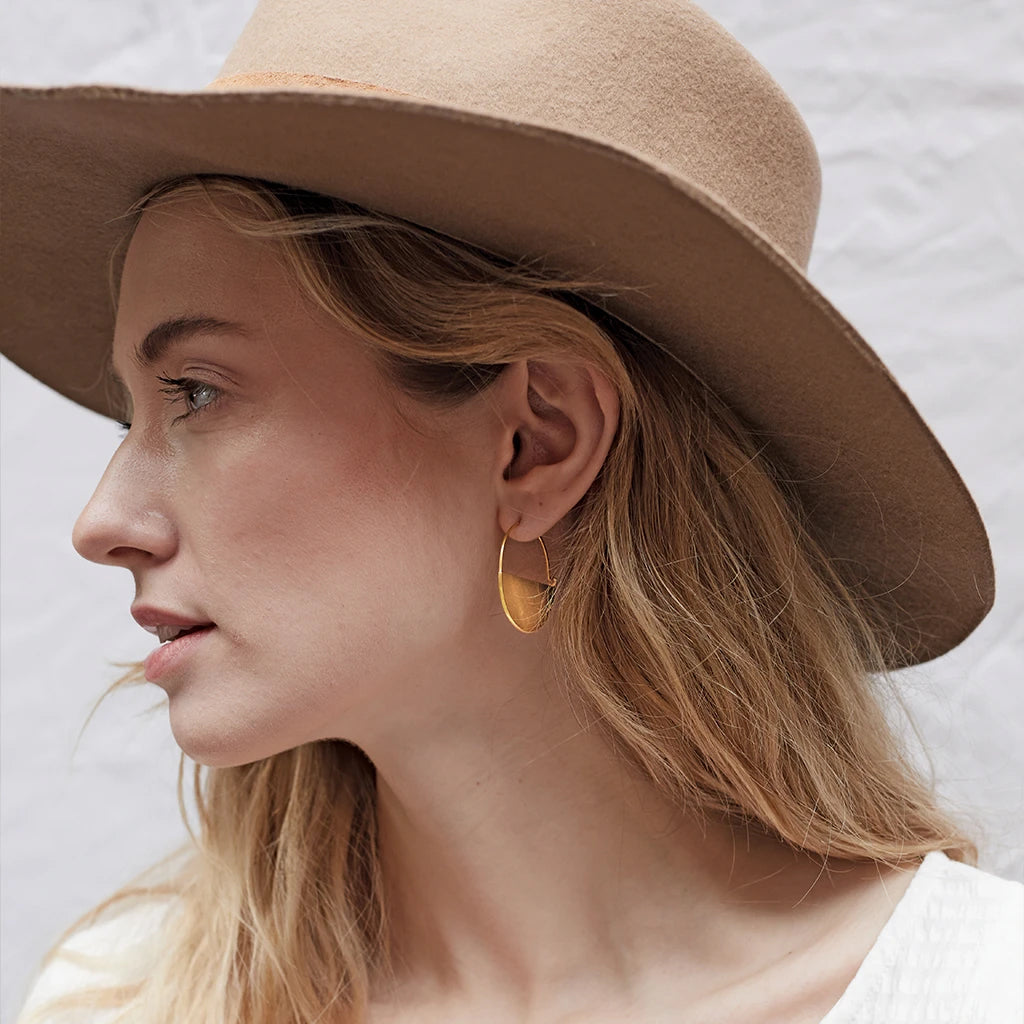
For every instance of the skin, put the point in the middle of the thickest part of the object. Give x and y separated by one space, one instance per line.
344 541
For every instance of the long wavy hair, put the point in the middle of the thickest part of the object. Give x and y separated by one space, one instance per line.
699 626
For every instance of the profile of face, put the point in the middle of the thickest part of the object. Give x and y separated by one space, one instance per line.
342 539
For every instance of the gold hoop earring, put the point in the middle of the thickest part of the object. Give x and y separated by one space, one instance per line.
526 602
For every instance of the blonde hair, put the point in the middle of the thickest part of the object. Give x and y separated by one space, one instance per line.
699 625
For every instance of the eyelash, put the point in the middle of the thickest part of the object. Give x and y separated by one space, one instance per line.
178 388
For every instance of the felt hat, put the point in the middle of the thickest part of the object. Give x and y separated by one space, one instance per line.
631 140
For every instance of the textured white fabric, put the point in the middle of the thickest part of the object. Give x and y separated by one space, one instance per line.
121 943
952 952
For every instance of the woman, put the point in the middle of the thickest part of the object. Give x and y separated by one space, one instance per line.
648 775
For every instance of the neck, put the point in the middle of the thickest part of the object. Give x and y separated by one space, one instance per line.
520 854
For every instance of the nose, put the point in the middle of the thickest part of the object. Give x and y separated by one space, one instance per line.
124 523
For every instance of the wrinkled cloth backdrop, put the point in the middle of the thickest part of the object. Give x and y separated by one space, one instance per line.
916 111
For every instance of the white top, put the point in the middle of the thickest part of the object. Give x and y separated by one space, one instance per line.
952 952
132 934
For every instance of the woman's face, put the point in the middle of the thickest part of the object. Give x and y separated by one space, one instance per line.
343 550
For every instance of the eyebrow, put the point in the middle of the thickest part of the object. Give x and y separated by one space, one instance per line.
165 335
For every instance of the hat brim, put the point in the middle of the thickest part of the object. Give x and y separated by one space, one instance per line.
705 284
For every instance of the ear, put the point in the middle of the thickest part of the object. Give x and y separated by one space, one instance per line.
559 419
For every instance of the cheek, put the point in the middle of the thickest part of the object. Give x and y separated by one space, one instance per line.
324 559
287 520
319 532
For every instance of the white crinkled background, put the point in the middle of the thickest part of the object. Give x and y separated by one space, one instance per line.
917 109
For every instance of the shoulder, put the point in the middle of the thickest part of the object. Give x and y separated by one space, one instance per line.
953 951
113 950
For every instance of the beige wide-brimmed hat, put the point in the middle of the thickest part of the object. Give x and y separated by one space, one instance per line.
630 140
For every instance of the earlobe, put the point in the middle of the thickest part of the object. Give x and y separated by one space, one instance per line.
564 419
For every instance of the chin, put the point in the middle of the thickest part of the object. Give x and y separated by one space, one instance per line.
216 738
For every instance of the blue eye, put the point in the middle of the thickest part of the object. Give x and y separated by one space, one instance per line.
185 388
182 388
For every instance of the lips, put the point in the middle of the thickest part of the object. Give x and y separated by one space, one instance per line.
166 623
169 660
168 633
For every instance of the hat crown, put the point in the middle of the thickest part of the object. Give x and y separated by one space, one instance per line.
658 78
